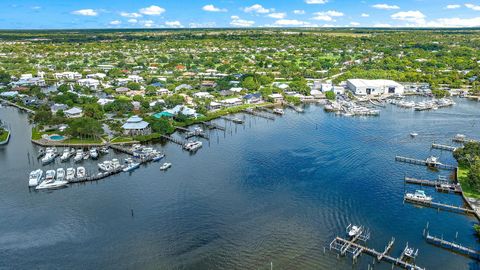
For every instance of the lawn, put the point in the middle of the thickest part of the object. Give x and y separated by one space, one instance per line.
121 139
3 135
82 141
467 190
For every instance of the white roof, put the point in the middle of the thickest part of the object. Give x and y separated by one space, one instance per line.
73 110
373 83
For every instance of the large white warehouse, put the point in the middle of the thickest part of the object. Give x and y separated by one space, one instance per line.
374 87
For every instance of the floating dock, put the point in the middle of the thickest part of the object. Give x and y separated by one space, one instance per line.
443 147
262 115
234 119
454 247
440 186
424 163
211 125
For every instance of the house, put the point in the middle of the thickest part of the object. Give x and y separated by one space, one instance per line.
9 94
99 76
104 101
236 89
74 112
30 101
374 87
122 90
29 80
91 83
214 105
135 78
203 95
253 98
183 110
67 75
277 98
136 126
209 84
163 91
58 107
230 102
226 93
106 67
317 94
136 105
183 87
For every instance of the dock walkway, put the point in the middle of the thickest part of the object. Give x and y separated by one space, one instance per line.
440 186
262 115
474 254
211 125
440 206
444 147
424 163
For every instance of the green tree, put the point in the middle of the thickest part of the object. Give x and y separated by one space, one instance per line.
84 126
330 95
250 83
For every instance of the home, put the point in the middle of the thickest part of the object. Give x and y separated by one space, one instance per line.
236 89
30 101
91 83
106 67
183 110
317 94
67 75
136 126
74 112
136 105
58 107
122 90
203 95
9 94
183 87
230 102
209 84
374 87
135 93
276 98
214 105
163 91
104 101
99 76
253 98
135 78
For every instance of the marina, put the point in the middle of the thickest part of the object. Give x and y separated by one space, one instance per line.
452 246
429 162
441 185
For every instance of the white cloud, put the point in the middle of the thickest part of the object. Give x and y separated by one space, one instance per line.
257 8
327 15
453 6
174 24
385 6
148 23
202 25
454 22
212 8
365 15
354 24
130 15
416 17
473 7
152 10
85 12
133 21
291 23
316 2
299 11
236 21
115 22
278 15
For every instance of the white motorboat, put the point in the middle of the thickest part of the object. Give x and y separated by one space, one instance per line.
105 166
413 134
81 173
60 174
70 174
116 164
131 166
278 111
104 150
66 155
354 231
78 156
419 195
49 157
193 145
165 166
93 153
86 155
158 157
50 175
432 161
35 178
51 184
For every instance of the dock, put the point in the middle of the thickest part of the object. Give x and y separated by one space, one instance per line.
234 119
96 177
18 106
454 247
439 185
357 249
174 140
443 147
121 149
211 125
414 161
440 206
262 115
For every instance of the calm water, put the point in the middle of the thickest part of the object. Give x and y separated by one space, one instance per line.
267 191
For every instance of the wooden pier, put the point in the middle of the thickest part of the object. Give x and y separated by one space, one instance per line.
424 163
96 177
234 120
443 147
440 186
211 125
262 115
174 140
356 249
440 206
122 149
454 247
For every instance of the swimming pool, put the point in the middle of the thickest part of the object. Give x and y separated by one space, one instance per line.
56 138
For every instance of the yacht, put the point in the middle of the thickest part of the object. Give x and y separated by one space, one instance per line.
78 156
459 138
49 157
104 150
158 157
50 175
278 111
81 172
50 184
432 161
60 174
93 153
70 174
86 155
105 166
116 164
131 166
413 134
354 231
193 145
66 155
165 166
35 177
419 195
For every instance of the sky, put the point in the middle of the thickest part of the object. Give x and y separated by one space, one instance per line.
88 14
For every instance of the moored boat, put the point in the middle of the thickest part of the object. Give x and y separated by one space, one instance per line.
193 145
419 195
165 166
35 178
131 166
81 173
70 174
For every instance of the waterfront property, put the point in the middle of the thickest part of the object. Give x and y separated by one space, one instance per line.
363 87
136 126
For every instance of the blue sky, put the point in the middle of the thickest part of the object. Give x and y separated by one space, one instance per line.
74 14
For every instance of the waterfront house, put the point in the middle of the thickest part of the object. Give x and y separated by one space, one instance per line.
9 94
374 87
189 112
214 105
276 98
58 107
67 75
91 83
230 102
253 98
136 126
74 112
99 76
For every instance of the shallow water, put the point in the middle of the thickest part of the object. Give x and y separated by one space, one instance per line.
266 191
